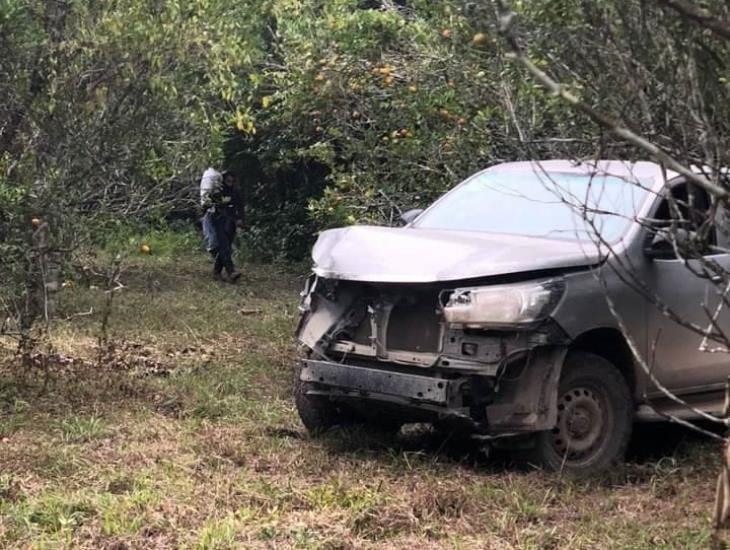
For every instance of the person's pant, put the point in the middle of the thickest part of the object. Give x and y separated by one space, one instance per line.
209 232
225 230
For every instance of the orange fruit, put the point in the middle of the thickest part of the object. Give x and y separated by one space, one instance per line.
480 39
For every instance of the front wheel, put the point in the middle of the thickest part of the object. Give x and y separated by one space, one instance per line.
595 418
318 412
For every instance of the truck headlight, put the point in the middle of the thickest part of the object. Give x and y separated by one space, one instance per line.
503 305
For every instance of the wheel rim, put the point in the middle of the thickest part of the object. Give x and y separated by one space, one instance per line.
584 422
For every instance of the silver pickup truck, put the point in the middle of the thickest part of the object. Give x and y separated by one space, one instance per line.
541 298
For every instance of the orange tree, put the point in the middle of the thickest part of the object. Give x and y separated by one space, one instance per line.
107 109
359 109
360 112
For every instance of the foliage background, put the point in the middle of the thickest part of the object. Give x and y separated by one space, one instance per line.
338 112
362 109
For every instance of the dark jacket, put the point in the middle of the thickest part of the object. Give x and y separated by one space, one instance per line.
227 201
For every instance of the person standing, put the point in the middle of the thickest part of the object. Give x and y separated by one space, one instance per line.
211 178
227 215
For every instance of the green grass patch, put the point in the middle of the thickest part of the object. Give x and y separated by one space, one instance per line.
79 429
165 243
185 436
338 494
127 513
54 513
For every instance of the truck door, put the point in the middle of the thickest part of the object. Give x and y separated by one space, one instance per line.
687 294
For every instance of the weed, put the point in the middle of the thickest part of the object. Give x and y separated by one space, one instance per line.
56 513
304 537
82 429
10 490
126 514
337 494
218 534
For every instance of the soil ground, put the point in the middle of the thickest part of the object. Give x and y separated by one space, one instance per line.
182 434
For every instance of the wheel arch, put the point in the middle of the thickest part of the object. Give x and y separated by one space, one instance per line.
610 343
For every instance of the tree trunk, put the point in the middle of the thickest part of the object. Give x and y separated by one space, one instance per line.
722 502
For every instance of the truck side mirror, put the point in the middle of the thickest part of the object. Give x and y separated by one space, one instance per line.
661 245
410 215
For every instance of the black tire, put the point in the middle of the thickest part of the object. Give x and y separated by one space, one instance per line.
450 430
377 423
595 419
318 413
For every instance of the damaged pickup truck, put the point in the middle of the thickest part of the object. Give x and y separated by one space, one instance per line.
510 307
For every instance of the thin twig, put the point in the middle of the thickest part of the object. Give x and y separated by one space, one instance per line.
506 18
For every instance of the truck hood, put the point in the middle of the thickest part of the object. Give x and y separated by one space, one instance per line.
413 255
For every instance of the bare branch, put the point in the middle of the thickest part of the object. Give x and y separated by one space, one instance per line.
506 17
718 25
601 244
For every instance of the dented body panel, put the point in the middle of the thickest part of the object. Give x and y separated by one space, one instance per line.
383 322
364 347
412 255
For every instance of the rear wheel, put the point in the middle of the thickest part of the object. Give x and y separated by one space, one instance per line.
595 418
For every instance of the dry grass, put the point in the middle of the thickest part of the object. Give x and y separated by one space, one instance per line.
186 437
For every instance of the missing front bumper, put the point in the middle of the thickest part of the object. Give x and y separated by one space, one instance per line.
525 399
347 380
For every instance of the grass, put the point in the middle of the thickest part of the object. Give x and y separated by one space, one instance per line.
183 435
81 429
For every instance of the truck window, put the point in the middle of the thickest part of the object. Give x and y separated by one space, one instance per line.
689 208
